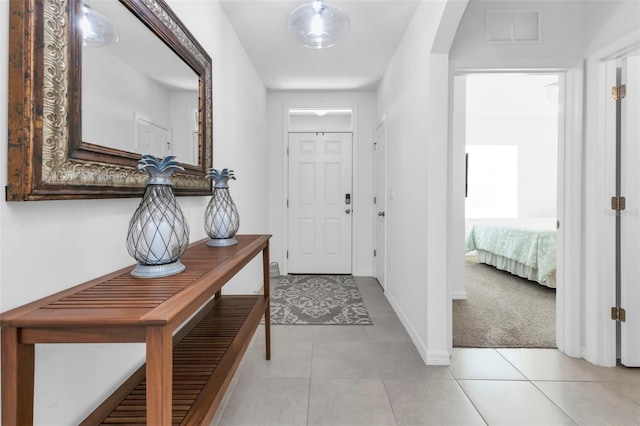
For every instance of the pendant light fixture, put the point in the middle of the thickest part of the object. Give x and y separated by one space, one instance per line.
97 29
319 25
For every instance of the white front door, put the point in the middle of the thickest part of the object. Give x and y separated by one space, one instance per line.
320 203
380 198
630 216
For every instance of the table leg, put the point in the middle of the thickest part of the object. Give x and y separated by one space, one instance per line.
159 375
17 379
267 293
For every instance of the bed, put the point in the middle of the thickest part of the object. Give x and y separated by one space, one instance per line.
527 253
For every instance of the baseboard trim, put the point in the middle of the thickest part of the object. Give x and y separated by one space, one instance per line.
459 295
415 338
438 358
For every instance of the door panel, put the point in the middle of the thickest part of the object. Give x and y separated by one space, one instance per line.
319 215
630 217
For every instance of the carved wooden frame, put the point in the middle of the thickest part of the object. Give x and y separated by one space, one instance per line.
47 158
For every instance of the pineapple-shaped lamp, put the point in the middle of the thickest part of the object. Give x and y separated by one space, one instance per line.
158 232
221 219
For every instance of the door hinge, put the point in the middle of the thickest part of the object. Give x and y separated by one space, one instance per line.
557 224
374 253
375 200
287 203
618 203
287 254
287 150
619 92
618 314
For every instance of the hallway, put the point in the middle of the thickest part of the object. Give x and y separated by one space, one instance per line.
373 375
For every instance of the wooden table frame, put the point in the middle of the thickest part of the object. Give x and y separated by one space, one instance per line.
117 308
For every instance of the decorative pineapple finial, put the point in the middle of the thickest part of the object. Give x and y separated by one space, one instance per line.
159 171
221 177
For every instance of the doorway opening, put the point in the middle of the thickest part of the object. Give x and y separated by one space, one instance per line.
510 125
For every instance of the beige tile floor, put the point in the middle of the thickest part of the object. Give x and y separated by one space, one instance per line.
373 375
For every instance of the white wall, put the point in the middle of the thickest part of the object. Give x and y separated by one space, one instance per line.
607 21
562 43
363 105
413 95
51 245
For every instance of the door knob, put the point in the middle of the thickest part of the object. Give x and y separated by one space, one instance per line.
347 211
381 214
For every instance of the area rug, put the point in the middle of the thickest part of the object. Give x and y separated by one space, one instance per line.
317 300
503 311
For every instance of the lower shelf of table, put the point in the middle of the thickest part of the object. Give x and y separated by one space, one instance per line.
204 361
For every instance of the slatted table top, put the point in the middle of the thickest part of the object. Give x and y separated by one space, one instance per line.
118 299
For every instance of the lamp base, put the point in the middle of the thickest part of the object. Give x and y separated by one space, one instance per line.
222 242
157 271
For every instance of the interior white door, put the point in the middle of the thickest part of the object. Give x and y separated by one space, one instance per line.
320 203
380 202
151 138
630 217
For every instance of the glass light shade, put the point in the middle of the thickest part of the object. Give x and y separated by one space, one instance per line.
97 29
318 24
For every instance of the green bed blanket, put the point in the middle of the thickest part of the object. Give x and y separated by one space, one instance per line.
531 247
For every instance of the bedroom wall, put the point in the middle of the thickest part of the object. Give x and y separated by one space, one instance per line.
364 108
51 245
513 110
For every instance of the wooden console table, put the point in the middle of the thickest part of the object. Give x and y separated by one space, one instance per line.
185 375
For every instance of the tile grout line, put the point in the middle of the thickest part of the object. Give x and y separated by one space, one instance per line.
536 387
469 398
313 345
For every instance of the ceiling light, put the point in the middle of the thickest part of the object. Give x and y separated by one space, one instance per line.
97 29
318 24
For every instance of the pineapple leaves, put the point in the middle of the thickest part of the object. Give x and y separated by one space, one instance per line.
156 168
220 175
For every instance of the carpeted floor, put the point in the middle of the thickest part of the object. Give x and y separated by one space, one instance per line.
503 311
317 300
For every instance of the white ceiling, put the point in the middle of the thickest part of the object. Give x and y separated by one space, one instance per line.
357 63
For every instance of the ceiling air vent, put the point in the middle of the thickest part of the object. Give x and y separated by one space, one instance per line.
513 26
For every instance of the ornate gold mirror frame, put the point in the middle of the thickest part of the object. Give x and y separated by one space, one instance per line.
47 158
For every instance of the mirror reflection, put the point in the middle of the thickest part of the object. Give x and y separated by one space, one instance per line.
137 94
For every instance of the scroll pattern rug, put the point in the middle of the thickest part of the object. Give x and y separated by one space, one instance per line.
317 300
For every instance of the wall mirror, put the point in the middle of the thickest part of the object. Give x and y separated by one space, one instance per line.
81 115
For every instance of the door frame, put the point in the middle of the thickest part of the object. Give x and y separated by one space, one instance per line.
568 293
600 163
382 122
355 267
